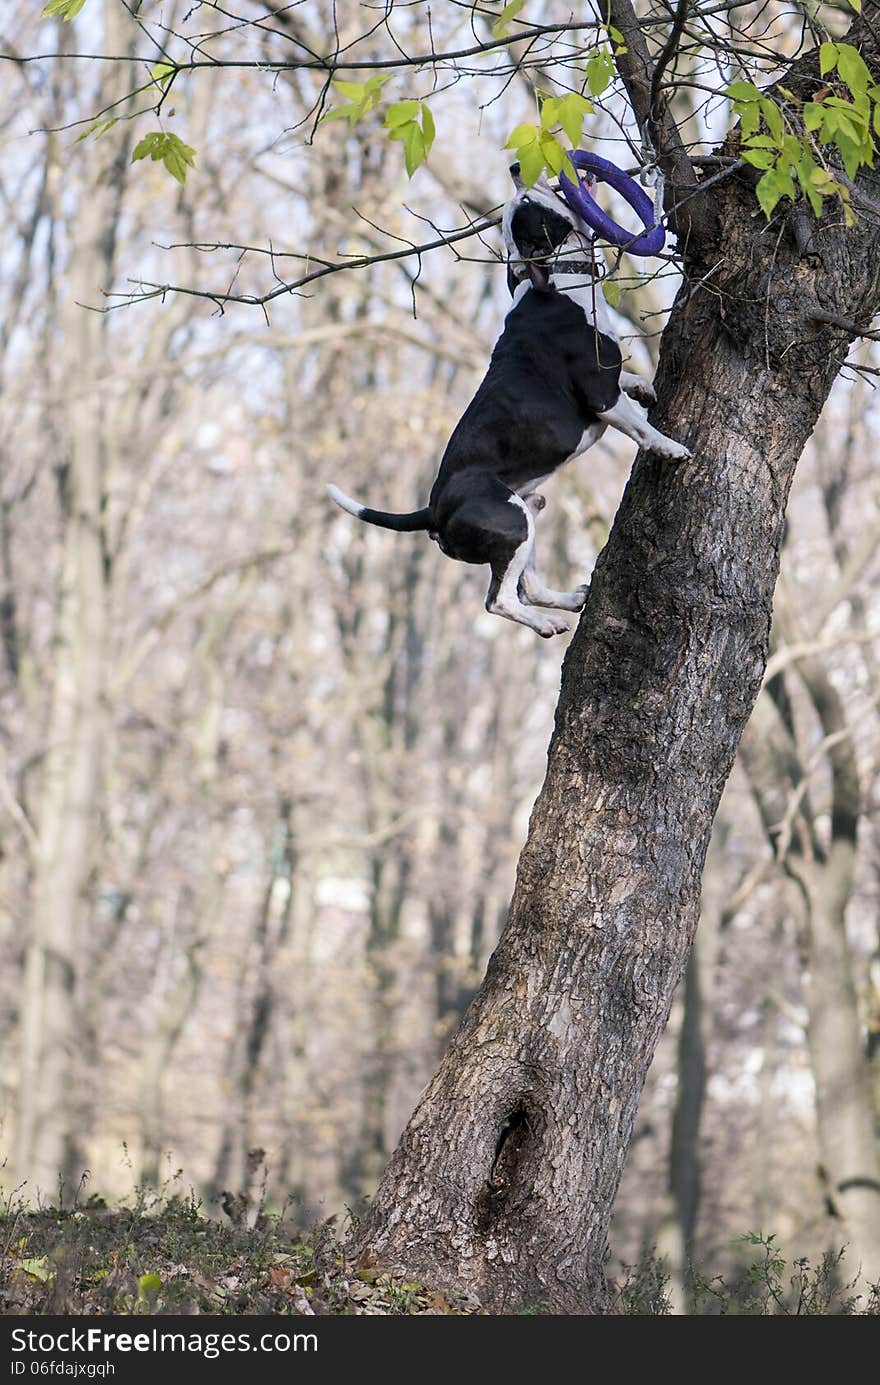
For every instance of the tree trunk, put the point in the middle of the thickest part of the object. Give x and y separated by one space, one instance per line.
388 896
177 1007
821 878
675 1236
504 1179
255 1010
845 1113
71 772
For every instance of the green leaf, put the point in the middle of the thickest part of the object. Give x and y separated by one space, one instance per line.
554 156
805 170
600 71
813 115
855 117
770 189
353 90
400 113
531 163
828 56
144 148
837 123
98 128
743 92
429 130
855 5
573 125
773 117
862 110
550 111
63 9
571 115
174 154
37 1266
853 69
501 26
161 72
365 97
850 153
553 152
611 292
178 157
413 148
402 124
750 117
149 1284
815 200
822 179
575 101
349 112
521 136
567 111
759 158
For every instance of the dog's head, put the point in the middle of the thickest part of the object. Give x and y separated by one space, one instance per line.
538 227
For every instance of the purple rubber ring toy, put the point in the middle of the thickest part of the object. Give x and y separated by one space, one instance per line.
647 242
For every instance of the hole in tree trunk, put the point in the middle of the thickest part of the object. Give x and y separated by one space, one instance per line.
515 1140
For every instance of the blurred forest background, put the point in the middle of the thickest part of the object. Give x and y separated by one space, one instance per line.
264 773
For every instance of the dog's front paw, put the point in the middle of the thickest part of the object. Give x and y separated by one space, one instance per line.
639 389
673 452
643 393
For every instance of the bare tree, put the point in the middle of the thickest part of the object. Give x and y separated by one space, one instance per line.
72 764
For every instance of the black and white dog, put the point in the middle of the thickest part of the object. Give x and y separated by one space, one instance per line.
553 386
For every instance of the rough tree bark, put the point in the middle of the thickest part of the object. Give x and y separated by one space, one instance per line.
504 1179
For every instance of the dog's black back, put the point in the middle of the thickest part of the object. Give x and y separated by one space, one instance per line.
550 376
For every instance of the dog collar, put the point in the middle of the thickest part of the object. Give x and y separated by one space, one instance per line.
587 267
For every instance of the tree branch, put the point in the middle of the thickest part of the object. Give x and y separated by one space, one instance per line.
260 300
334 63
642 81
846 325
667 53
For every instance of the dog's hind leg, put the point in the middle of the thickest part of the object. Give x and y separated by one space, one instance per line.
537 594
626 418
508 573
533 588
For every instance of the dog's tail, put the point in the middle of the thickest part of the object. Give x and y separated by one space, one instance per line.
405 524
